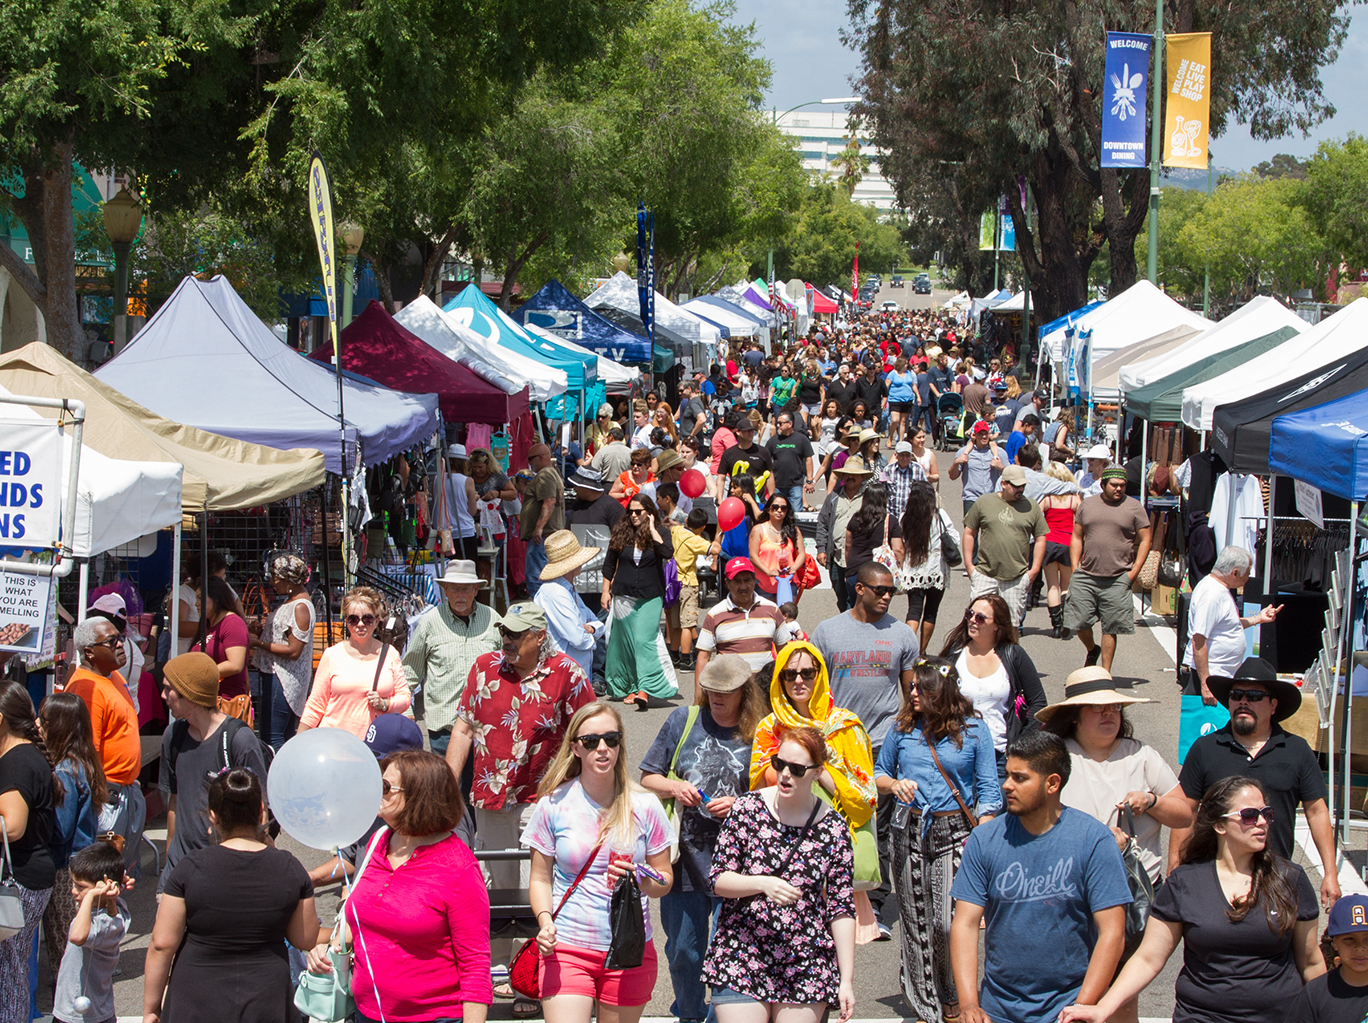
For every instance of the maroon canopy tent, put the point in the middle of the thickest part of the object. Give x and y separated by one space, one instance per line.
376 345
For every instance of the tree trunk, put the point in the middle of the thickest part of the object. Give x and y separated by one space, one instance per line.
432 269
382 280
62 314
1125 204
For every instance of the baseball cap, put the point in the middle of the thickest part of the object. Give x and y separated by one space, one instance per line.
1349 915
392 733
111 603
902 448
982 427
738 565
1015 475
524 616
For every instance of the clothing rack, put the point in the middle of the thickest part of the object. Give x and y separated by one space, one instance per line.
1301 551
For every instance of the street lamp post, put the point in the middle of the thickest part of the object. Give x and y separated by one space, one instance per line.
352 237
122 219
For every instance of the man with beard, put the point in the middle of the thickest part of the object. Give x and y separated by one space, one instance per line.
1040 876
1253 744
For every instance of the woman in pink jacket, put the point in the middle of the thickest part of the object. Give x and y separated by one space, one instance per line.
351 688
418 916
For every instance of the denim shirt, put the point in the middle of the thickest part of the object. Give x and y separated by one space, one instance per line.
77 818
973 769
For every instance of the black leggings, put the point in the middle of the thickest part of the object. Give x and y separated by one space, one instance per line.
922 604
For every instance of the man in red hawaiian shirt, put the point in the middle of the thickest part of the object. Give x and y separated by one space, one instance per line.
517 704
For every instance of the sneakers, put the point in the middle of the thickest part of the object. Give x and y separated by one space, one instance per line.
885 934
1093 655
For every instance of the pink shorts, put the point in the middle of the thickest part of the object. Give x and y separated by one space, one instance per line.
579 971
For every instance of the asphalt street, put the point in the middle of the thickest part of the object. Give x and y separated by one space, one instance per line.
1142 662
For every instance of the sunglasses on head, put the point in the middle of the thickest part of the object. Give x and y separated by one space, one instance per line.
1247 696
386 788
590 742
977 617
797 770
1249 816
355 620
791 674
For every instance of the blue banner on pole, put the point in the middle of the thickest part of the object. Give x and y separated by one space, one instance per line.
1123 107
646 267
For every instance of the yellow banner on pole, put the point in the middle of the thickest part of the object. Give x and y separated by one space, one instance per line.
1189 99
321 216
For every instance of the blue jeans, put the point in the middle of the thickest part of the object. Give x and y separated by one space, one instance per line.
795 497
278 721
533 564
924 410
686 917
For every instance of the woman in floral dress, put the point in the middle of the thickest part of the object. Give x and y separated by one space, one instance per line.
784 867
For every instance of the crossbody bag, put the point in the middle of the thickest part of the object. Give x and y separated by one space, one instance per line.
524 972
969 814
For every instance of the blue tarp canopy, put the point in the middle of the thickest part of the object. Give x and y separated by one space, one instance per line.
1325 446
555 309
477 311
1066 320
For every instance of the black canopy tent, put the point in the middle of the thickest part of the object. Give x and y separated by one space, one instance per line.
1241 431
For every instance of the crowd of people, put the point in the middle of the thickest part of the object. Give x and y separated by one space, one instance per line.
814 792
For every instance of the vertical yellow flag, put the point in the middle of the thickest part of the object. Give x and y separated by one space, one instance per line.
1186 136
321 216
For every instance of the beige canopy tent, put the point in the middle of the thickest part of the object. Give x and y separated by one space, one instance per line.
1107 371
220 474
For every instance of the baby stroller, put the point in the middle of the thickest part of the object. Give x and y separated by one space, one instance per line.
949 412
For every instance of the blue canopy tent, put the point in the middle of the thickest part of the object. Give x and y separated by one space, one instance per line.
477 311
1325 446
556 310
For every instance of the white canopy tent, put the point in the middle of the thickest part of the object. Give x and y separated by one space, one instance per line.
1318 346
736 319
610 372
1017 303
620 292
1106 372
118 500
507 370
1254 319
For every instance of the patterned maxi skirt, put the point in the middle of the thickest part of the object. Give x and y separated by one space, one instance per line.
14 958
925 867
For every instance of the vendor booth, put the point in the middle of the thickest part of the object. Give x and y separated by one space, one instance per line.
1107 372
206 360
554 309
620 292
377 346
738 322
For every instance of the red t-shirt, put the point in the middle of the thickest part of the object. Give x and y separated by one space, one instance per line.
230 631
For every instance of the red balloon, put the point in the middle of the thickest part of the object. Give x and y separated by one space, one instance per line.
691 483
730 513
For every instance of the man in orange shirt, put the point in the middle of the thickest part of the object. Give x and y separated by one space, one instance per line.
115 725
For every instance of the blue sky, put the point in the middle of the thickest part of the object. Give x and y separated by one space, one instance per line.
802 42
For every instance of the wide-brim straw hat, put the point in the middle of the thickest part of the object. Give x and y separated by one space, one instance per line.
564 554
1089 687
868 435
854 467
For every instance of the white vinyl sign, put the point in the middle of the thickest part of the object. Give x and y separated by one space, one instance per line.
30 483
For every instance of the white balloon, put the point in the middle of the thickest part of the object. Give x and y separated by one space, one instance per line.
81 1004
324 788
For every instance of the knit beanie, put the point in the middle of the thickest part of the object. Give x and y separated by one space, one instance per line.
195 677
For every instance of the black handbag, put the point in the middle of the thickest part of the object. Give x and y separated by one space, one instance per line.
628 945
1137 877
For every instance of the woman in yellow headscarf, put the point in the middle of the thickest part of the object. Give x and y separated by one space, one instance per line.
800 695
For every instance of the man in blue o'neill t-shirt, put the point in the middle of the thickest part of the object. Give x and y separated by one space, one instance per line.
1051 886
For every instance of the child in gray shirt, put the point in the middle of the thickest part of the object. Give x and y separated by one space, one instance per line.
85 980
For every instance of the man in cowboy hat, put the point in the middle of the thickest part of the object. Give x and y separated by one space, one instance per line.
1253 744
840 506
1111 538
573 627
443 646
980 462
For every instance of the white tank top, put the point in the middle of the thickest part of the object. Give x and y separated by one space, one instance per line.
456 497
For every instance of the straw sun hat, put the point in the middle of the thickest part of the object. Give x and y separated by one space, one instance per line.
564 554
1089 687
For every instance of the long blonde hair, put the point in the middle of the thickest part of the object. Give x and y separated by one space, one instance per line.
618 821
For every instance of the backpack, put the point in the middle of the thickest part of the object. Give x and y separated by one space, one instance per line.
180 731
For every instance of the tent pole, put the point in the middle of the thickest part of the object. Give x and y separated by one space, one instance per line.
1268 538
327 560
1345 661
83 590
204 577
1144 461
175 587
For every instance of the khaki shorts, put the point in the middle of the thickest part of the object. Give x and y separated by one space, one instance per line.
1100 599
683 613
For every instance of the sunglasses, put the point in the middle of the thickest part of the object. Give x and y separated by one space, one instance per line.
791 674
113 642
386 788
977 617
590 742
879 591
1247 696
355 620
1249 816
781 765
510 633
